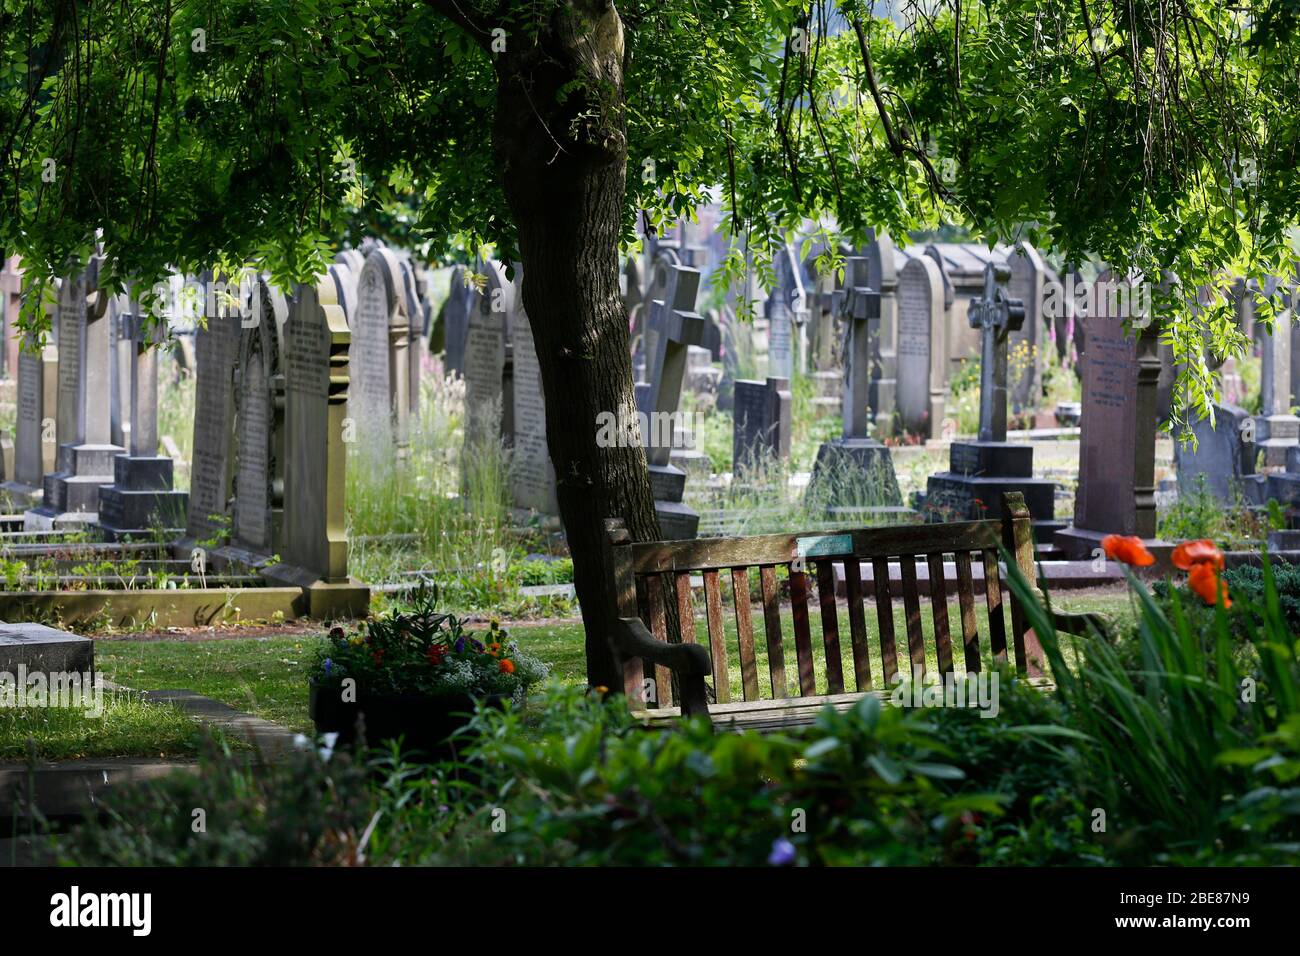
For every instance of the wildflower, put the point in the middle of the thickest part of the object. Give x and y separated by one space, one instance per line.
459 646
329 666
356 640
478 646
783 852
1204 580
494 649
1127 548
1191 553
506 665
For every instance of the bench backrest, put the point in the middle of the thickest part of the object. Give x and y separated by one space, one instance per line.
652 581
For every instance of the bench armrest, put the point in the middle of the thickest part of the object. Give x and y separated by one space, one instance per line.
1083 623
690 662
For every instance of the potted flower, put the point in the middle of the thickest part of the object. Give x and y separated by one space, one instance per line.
416 675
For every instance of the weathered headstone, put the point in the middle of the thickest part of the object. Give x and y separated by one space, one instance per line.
855 472
922 348
532 476
676 325
762 419
1029 285
216 353
314 550
259 428
882 275
786 310
35 444
345 286
981 471
85 456
415 343
1117 441
1277 428
456 314
486 416
380 360
1221 456
141 497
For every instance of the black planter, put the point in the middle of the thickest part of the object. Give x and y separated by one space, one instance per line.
424 724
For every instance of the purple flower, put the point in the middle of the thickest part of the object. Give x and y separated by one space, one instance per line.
782 854
477 646
459 646
328 665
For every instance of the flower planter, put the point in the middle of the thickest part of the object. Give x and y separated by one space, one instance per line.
424 723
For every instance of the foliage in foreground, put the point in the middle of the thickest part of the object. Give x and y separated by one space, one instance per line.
1168 748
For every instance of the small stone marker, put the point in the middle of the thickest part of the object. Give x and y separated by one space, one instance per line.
42 649
761 431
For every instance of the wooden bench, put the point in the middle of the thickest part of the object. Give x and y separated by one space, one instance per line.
665 667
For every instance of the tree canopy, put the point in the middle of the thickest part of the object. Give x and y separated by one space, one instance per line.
1159 135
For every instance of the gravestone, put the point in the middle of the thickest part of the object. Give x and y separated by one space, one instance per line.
1117 433
314 549
532 476
456 313
345 287
828 379
119 372
85 455
786 310
38 648
979 472
1277 429
855 472
259 397
1221 457
141 498
486 397
216 353
922 348
761 424
675 325
11 290
380 362
415 344
35 445
1025 359
6 459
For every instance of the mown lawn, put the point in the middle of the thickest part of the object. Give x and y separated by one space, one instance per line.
126 726
267 676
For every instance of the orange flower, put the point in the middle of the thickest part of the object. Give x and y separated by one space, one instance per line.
507 666
1204 580
1127 548
1191 553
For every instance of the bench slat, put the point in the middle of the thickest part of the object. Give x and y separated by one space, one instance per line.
867 543
718 636
745 633
685 609
830 627
939 610
802 633
663 692
772 627
993 597
970 637
857 624
885 618
912 615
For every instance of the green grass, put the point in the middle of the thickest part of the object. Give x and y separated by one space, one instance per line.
127 727
267 676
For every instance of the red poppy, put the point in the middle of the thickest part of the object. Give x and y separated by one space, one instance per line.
1204 579
506 665
1127 548
1191 553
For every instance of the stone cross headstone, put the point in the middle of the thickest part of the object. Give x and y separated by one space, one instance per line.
318 342
380 360
676 325
1116 489
141 497
922 348
532 476
216 353
761 429
485 357
1028 284
861 305
996 315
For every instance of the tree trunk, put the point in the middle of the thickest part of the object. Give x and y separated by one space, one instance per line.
563 157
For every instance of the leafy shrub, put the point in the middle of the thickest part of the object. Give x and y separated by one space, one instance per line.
1246 586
